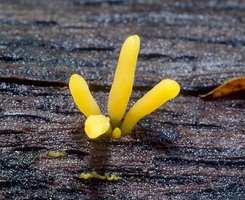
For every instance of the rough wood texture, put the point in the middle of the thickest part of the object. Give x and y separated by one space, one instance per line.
188 149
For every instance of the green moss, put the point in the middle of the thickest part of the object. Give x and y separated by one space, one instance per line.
106 177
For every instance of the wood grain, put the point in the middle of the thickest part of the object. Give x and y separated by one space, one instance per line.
188 149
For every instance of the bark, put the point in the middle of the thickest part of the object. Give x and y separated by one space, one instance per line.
188 149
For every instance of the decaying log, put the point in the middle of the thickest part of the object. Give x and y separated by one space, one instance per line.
188 149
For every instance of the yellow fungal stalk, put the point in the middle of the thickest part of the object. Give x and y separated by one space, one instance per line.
82 96
123 81
165 90
114 126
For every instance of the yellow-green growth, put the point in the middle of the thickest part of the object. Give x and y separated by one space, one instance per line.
165 90
112 177
97 125
56 154
116 134
94 175
123 81
85 176
82 96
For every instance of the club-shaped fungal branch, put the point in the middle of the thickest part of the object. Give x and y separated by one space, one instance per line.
123 81
96 124
116 125
82 97
165 90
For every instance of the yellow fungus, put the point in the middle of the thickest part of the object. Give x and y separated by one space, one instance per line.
82 96
85 176
123 81
165 90
116 133
56 154
94 175
97 125
112 178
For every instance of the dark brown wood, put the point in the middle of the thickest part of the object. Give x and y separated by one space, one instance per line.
188 149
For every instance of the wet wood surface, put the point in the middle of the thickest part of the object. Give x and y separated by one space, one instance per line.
188 149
